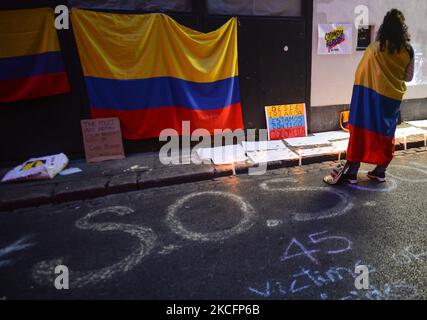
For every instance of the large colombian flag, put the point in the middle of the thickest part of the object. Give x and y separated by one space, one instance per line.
154 73
374 110
30 56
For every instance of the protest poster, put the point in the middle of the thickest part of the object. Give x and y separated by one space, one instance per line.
286 121
102 139
335 39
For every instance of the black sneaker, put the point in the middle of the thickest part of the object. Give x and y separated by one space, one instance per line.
379 177
350 178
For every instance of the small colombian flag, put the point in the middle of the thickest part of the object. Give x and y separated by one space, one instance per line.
31 63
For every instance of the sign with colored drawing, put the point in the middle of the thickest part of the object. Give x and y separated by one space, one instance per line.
335 39
286 121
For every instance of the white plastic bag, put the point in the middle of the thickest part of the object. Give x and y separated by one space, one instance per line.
38 168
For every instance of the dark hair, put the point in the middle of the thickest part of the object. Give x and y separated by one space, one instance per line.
393 34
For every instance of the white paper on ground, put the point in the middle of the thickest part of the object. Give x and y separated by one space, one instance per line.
340 146
307 141
406 132
70 171
317 151
223 155
418 123
333 135
38 168
204 153
263 145
264 156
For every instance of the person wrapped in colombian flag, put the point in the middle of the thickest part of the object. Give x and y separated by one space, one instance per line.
377 95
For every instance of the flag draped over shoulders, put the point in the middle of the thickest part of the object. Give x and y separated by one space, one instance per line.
377 95
154 73
31 62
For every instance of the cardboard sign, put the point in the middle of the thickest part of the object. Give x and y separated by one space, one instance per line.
335 39
102 139
286 121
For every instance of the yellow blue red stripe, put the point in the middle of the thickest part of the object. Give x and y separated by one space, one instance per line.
31 63
138 66
375 105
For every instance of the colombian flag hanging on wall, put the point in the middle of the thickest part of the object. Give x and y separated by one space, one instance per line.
154 73
31 63
374 111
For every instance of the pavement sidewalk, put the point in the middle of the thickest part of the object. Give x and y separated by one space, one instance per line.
139 171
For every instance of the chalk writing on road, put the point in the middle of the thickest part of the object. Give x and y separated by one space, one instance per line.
409 255
316 282
343 206
389 186
306 279
316 239
418 171
19 245
247 221
43 272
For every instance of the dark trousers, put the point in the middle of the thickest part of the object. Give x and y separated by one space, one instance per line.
355 166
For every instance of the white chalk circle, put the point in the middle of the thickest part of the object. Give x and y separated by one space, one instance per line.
388 186
423 172
416 164
43 272
247 221
342 207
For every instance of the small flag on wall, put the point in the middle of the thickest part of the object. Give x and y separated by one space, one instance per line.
31 63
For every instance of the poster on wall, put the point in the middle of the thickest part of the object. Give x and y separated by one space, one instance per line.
335 39
286 121
102 139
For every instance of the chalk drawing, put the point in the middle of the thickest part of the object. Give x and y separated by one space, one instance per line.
274 223
247 221
409 255
418 170
169 249
43 272
314 238
389 186
304 252
306 279
416 164
343 206
391 291
317 239
19 245
266 293
370 204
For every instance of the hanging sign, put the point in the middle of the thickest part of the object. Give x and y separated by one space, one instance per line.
335 39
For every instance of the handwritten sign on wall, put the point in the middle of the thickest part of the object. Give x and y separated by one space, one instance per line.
102 139
286 121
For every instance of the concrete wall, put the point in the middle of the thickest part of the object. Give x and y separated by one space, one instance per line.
333 76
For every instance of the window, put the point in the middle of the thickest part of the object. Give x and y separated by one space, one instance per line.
290 8
145 5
